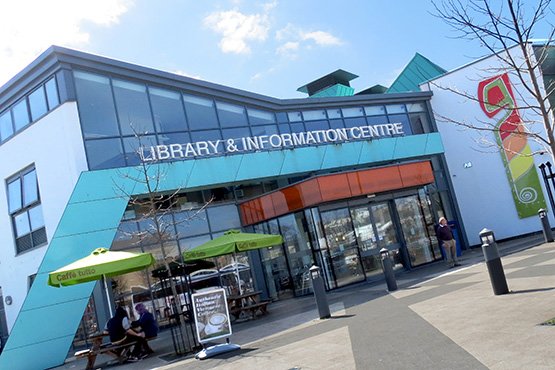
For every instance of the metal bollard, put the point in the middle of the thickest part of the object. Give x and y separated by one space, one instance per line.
547 233
388 270
493 263
319 292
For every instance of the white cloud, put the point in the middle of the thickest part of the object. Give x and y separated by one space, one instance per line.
237 29
294 39
321 38
288 49
30 27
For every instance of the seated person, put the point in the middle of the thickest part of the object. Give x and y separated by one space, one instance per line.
120 332
147 323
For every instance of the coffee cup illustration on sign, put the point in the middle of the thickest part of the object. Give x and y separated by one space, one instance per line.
216 323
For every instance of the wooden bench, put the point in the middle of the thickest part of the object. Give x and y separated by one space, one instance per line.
119 351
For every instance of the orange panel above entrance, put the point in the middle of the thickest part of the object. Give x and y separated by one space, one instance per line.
333 187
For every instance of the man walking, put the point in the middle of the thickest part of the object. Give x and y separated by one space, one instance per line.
447 241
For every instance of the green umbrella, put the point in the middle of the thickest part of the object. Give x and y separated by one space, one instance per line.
99 265
231 242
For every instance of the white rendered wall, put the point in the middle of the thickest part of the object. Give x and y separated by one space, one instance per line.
55 146
482 191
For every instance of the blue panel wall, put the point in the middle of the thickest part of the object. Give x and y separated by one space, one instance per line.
50 316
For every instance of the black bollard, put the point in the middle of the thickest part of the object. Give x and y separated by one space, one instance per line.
547 233
493 263
388 270
319 292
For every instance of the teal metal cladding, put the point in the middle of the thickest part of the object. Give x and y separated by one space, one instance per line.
49 318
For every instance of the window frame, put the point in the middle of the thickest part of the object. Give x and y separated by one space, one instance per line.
24 209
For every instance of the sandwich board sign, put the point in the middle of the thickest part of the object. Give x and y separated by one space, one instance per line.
211 315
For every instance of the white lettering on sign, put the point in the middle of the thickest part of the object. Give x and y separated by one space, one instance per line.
267 142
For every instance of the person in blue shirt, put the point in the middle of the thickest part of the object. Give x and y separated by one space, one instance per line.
120 332
147 323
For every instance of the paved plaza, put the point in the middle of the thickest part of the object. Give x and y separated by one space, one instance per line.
439 318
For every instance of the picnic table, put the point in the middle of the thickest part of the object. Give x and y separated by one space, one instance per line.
246 305
119 351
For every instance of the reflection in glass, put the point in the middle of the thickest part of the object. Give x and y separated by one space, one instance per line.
236 134
375 110
6 128
314 115
384 225
105 153
167 109
414 230
224 217
396 108
342 246
20 115
133 108
404 120
37 103
231 115
278 280
264 130
298 250
352 112
190 223
260 117
334 113
201 112
206 135
131 146
30 188
36 218
294 116
52 93
96 105
175 138
14 195
363 229
317 125
22 226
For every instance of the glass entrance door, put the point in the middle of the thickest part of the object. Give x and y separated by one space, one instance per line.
375 230
342 246
415 232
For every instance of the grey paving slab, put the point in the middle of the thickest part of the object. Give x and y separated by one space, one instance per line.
439 319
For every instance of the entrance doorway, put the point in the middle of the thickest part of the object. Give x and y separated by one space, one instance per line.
417 225
342 244
375 229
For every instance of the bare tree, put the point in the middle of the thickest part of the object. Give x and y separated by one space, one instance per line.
156 208
507 29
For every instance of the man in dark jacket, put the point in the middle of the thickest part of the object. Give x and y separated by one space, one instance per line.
147 323
120 332
445 236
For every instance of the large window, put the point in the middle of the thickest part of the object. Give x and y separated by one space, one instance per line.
25 210
201 112
133 108
167 108
96 105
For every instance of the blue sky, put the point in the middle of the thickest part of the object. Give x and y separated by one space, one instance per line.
271 48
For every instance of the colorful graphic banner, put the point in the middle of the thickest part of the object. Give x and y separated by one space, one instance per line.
496 97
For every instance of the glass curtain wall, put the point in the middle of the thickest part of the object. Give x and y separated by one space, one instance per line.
113 110
345 242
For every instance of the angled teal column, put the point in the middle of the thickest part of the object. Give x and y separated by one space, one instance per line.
43 331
